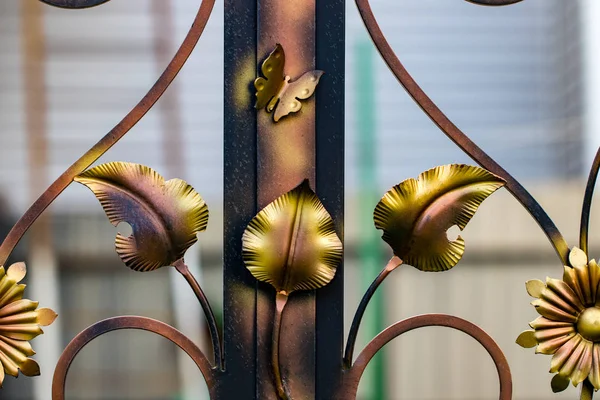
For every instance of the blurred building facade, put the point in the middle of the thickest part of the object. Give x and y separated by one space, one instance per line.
511 78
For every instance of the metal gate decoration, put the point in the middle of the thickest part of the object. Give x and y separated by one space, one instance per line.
283 223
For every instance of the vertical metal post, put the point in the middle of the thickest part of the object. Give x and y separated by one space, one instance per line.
239 298
330 57
263 160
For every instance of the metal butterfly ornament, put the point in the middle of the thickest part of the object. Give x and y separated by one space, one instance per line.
276 93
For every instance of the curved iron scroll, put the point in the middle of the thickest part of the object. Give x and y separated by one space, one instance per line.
454 133
353 375
112 137
128 322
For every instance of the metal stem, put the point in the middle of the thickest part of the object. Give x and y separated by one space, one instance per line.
280 302
394 263
587 390
210 316
112 137
587 203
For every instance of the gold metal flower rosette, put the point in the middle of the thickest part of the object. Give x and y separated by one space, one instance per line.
569 325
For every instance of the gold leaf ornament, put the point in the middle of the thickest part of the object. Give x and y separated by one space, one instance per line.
165 216
20 322
416 214
292 243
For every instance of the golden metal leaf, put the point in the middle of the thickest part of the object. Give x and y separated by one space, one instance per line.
274 91
20 321
415 214
292 243
165 216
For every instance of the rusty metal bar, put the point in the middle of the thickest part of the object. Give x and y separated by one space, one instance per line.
239 297
286 156
330 126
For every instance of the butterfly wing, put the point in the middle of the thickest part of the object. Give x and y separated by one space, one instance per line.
272 70
300 89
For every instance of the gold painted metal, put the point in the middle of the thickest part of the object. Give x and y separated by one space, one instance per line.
285 156
415 214
165 216
20 322
569 325
291 244
275 92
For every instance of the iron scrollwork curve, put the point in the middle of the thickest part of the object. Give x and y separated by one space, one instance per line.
352 376
67 177
454 133
113 136
129 322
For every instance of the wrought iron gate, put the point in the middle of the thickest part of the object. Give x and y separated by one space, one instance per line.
283 227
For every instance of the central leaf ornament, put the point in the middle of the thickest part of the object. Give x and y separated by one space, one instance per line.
292 243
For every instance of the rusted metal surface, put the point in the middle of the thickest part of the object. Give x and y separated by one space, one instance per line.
285 157
494 2
301 348
130 322
455 134
349 387
112 137
74 4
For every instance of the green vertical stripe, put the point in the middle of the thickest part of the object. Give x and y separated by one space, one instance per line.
373 385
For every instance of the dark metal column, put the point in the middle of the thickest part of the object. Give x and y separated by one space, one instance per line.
239 298
330 52
263 160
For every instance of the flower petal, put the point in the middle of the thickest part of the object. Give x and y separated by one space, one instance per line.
46 316
22 345
30 368
527 339
534 287
547 334
569 366
21 332
583 276
16 272
570 278
564 353
552 312
577 258
545 323
595 372
559 300
18 306
10 367
552 345
559 383
594 278
565 292
584 365
13 294
14 354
